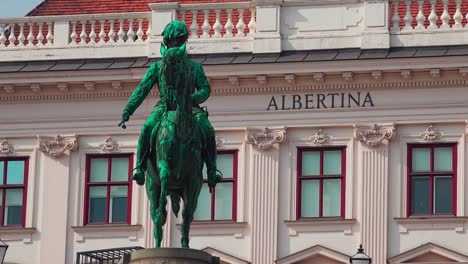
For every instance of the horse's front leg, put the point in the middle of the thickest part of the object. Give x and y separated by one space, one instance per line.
161 212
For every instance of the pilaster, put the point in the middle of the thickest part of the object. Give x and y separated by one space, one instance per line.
161 15
268 36
375 34
264 171
374 153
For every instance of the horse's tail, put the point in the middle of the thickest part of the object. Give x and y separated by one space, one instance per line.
175 202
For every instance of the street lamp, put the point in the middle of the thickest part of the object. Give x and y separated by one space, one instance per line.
360 257
3 249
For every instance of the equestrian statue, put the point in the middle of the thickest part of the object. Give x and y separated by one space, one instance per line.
177 138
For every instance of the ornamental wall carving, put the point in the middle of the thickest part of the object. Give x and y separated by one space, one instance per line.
57 146
431 134
110 144
6 148
374 135
265 138
320 137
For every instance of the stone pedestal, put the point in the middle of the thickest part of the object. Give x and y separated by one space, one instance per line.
172 256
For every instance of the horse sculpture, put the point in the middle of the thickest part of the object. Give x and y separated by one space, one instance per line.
175 158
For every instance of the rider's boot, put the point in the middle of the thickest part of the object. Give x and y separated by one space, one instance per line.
140 168
214 176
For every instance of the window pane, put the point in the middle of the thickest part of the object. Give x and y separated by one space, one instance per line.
119 169
97 204
225 163
99 170
118 205
2 166
443 159
14 205
204 172
442 195
421 159
311 163
203 211
332 197
310 198
332 162
420 195
15 172
223 201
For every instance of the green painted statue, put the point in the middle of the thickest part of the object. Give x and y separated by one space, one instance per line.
177 138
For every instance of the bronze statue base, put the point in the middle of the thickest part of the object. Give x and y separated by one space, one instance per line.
172 256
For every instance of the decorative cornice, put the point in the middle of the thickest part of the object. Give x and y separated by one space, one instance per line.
320 137
348 76
56 146
290 78
117 85
377 75
90 86
234 80
110 144
431 134
319 76
36 87
6 148
262 79
219 142
406 74
9 88
374 135
63 87
264 139
435 73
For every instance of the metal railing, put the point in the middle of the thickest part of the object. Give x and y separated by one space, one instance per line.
106 256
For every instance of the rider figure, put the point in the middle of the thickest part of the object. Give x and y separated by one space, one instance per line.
175 34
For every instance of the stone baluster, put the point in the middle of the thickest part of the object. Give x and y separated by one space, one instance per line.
50 36
111 32
206 24
148 31
140 30
432 16
102 32
217 27
183 15
92 34
121 32
30 35
3 38
396 16
240 25
83 34
194 25
21 36
408 17
12 37
420 17
40 36
253 23
73 35
131 32
229 26
445 17
457 17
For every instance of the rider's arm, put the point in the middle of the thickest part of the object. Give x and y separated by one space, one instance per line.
142 89
202 84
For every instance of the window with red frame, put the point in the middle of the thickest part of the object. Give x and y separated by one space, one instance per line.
321 182
108 189
13 180
432 179
220 204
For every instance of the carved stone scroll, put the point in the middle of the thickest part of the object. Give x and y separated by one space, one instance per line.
265 138
320 137
56 146
373 136
6 148
110 144
431 134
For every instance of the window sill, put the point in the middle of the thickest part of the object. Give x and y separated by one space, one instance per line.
236 229
17 234
106 231
432 223
320 225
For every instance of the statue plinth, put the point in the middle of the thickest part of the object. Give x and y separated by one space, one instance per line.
172 256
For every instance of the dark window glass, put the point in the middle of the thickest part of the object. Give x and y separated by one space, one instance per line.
421 195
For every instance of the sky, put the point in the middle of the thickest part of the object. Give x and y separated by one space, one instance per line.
16 8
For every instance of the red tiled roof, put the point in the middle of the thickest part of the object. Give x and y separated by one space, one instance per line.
75 7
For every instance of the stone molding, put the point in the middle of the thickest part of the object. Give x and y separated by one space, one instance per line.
374 135
320 225
265 138
56 146
106 231
431 134
219 142
6 148
456 224
236 229
320 137
17 234
110 144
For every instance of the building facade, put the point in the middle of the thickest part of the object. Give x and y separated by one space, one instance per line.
338 123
